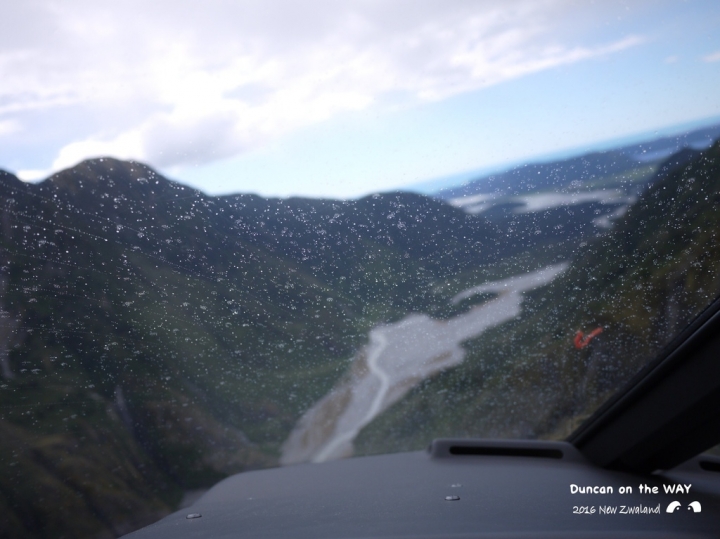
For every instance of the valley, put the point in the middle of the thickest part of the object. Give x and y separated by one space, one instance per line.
155 340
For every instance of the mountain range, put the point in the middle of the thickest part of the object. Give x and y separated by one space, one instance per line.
624 297
155 340
613 177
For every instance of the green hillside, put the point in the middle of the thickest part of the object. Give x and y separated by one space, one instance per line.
642 283
155 340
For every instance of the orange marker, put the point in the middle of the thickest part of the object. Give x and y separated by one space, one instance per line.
581 340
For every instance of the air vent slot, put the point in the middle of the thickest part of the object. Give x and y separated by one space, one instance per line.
451 448
506 451
710 466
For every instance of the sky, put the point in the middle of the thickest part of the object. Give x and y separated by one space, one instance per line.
330 98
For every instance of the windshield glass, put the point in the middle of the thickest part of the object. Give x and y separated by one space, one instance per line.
237 237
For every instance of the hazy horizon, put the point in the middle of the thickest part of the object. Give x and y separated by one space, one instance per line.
328 99
432 186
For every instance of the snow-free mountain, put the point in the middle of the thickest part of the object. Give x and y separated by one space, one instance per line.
155 340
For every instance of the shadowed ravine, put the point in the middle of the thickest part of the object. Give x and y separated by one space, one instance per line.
398 357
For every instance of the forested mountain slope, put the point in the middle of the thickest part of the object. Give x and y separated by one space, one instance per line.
155 339
535 377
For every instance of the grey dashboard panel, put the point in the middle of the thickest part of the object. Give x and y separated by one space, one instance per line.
443 493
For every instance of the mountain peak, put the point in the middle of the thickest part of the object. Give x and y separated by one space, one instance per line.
112 176
8 177
9 184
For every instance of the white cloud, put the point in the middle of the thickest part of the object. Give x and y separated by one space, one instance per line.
8 127
176 83
714 57
128 145
33 175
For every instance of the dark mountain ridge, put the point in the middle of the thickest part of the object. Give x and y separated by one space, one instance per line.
156 339
627 164
557 175
641 284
